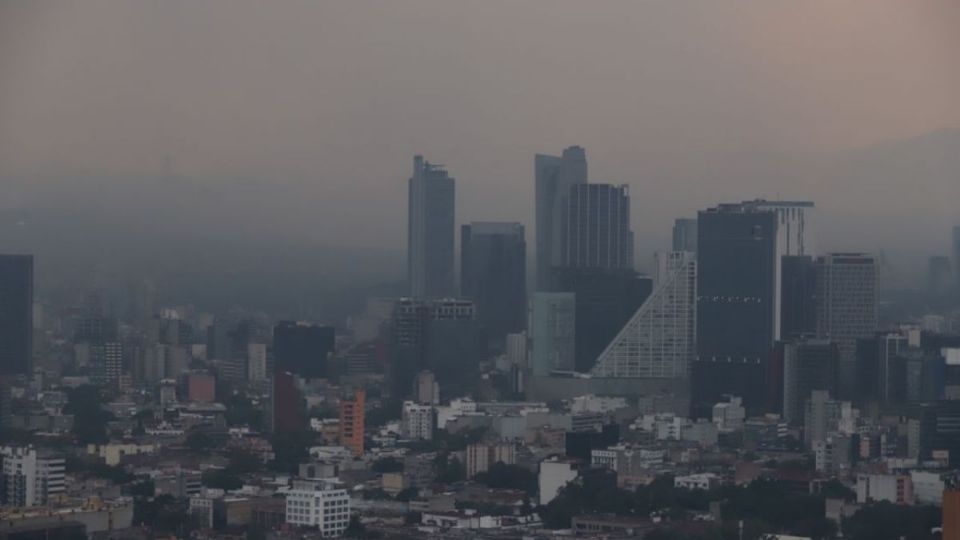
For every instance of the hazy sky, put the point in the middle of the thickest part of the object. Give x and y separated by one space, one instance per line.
301 117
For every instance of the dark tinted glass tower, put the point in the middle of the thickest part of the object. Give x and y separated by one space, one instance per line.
597 228
493 270
430 239
808 365
736 256
798 296
554 177
604 300
302 349
16 314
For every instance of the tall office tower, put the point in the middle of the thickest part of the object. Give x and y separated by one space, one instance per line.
685 234
939 275
596 231
286 404
16 314
440 335
808 365
659 341
351 422
846 308
605 299
303 349
552 332
736 307
798 278
493 270
956 255
30 478
430 231
106 360
555 175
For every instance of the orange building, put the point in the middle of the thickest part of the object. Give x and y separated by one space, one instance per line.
951 514
351 422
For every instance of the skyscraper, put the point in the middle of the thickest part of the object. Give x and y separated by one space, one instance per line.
552 338
554 177
430 232
685 234
659 340
798 278
956 254
302 349
808 365
352 422
16 314
846 308
493 272
605 299
736 308
597 228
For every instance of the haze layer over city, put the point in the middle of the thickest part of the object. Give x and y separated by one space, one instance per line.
490 270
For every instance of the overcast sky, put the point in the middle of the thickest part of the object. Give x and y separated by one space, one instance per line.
301 117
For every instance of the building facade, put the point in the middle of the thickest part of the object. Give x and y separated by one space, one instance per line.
16 314
554 176
552 332
318 503
493 273
430 232
597 228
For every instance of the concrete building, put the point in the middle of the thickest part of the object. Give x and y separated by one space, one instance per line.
430 232
481 456
704 481
318 503
554 176
552 332
729 415
29 478
846 292
554 474
426 390
823 416
352 422
897 489
417 421
256 362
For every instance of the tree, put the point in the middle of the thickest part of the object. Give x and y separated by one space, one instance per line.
887 521
199 441
450 470
243 462
221 479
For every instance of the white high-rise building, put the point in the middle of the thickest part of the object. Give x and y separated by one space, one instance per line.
319 503
30 479
659 340
417 421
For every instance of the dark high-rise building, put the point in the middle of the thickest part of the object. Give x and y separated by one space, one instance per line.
736 309
302 349
685 235
604 299
956 255
286 404
846 295
808 365
940 432
797 296
597 228
430 231
939 276
16 314
440 335
555 175
493 270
